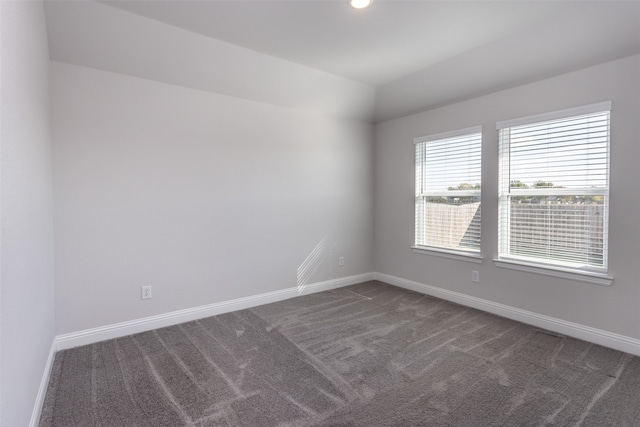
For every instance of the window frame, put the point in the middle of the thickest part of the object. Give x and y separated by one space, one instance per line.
556 268
471 255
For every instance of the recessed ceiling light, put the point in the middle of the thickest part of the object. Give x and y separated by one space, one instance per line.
360 4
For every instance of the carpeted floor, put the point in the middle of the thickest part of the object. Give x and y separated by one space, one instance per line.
365 355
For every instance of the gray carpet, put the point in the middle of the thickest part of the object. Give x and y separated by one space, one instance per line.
365 355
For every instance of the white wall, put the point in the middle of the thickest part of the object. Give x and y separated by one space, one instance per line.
614 308
26 233
205 197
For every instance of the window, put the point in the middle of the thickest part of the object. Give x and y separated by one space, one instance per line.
554 189
448 186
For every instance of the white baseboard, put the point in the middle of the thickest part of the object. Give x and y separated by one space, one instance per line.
90 336
42 390
586 333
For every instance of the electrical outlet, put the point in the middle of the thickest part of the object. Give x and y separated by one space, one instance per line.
475 276
146 292
341 261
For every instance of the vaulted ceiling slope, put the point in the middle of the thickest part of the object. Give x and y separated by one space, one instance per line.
394 58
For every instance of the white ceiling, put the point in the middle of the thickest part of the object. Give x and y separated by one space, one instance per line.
374 46
395 45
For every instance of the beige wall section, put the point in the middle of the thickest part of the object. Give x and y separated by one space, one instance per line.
614 308
26 235
205 197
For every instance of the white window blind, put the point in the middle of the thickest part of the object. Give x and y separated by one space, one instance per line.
554 190
448 189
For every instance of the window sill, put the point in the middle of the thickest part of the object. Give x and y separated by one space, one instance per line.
582 276
451 254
